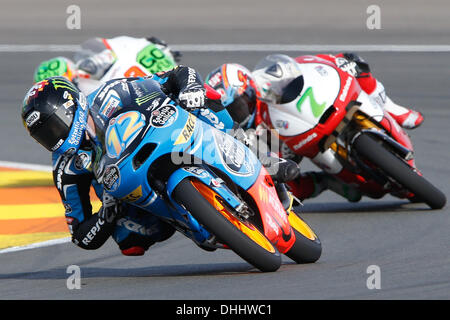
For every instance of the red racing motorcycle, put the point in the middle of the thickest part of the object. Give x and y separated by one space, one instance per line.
330 120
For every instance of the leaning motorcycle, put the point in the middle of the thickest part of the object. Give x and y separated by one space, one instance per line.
206 184
325 116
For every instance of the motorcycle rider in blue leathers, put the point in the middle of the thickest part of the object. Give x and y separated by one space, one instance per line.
56 114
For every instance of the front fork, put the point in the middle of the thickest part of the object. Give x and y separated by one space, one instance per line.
383 131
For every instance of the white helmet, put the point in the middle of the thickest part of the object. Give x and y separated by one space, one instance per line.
279 78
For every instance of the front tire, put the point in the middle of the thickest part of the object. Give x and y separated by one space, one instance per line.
400 171
199 199
307 247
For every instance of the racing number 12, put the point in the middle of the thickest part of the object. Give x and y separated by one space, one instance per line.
122 131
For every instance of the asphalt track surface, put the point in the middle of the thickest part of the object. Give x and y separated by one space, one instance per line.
408 242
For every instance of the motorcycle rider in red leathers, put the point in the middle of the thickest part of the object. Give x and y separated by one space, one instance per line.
357 67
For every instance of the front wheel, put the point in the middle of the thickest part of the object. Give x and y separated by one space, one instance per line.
396 168
307 247
243 238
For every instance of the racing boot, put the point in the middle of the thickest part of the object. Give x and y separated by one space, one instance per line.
281 170
406 118
134 251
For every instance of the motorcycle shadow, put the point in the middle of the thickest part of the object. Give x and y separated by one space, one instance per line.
361 207
186 270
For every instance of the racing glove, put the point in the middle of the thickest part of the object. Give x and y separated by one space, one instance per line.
111 209
193 96
353 64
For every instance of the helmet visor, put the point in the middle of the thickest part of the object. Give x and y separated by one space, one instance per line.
239 110
292 90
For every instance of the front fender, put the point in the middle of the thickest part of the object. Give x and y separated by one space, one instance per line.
206 177
273 215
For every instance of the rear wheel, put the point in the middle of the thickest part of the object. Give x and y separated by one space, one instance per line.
307 247
396 168
242 237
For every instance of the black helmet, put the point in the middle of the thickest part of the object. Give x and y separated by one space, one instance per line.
55 114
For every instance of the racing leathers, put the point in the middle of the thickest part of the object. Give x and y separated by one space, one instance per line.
311 184
134 229
357 67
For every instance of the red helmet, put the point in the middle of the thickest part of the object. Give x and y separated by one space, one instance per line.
238 91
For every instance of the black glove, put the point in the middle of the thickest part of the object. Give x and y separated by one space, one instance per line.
361 67
111 209
193 96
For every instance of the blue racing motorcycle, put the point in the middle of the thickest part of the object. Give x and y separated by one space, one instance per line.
209 186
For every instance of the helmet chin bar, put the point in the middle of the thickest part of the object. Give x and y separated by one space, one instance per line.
90 128
90 134
77 131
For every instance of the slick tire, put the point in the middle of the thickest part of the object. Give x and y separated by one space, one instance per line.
307 247
204 212
373 151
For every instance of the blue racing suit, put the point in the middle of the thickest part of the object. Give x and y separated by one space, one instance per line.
74 175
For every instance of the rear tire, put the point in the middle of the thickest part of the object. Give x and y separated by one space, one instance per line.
204 212
400 171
